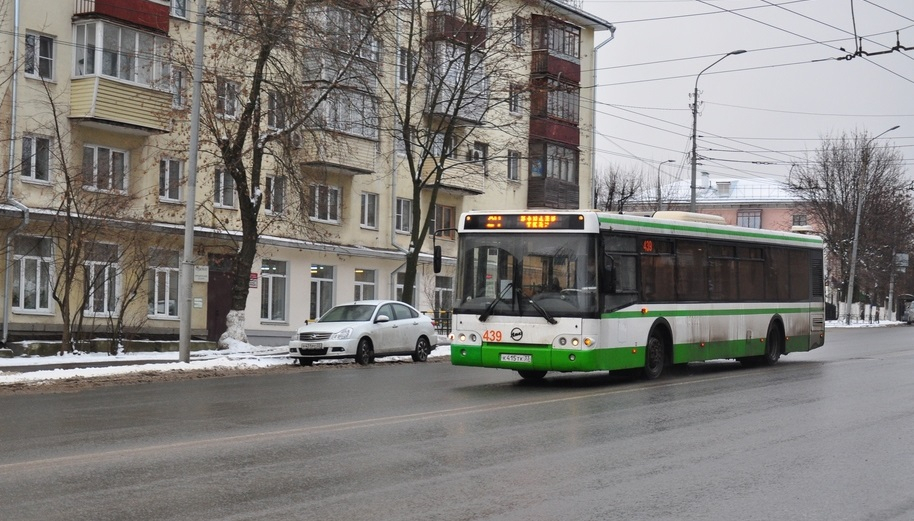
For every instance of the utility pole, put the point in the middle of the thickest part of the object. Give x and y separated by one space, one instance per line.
692 207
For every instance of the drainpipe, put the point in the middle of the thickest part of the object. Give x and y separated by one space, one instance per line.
593 121
8 280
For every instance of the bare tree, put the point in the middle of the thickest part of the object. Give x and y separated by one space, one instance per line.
847 173
455 66
615 188
275 65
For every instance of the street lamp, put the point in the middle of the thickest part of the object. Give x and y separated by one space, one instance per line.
658 179
860 197
695 125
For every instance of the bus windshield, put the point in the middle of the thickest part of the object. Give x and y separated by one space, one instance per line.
524 274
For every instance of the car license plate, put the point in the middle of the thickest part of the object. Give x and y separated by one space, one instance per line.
524 359
311 345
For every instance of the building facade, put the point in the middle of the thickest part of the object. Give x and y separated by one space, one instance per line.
97 97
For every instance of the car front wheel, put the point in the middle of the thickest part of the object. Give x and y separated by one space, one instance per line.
364 352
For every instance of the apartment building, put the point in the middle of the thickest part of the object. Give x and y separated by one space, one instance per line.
97 100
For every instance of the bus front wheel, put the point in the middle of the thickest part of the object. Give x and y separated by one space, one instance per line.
654 357
531 375
773 346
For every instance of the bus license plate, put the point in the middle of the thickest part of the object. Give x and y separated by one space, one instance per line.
524 359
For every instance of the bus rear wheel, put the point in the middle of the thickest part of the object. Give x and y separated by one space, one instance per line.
654 357
528 374
773 346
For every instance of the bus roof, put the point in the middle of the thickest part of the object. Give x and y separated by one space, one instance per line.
674 224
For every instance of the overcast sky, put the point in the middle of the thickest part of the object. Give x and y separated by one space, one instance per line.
761 110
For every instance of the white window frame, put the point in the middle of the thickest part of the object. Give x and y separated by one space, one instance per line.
518 30
108 173
276 110
274 291
164 283
179 8
513 165
39 55
325 203
171 175
749 218
274 196
352 112
102 274
177 86
223 189
401 276
514 100
365 285
403 218
125 53
321 289
368 212
32 269
36 158
227 102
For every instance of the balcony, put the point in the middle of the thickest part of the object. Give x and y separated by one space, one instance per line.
336 153
542 128
144 14
105 102
544 63
549 192
460 177
443 25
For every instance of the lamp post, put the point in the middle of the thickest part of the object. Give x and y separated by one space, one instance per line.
658 179
860 198
695 126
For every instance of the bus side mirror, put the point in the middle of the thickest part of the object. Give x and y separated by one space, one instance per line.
436 260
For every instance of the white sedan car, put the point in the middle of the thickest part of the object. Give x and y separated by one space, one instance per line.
364 329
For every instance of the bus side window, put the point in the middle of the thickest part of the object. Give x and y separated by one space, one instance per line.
608 279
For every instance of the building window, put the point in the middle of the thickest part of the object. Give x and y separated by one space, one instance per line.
401 277
274 198
406 65
164 270
560 39
325 203
179 8
321 290
224 189
444 219
226 98
36 158
442 147
178 77
513 165
229 14
404 215
273 295
519 30
514 99
444 293
749 218
800 220
352 112
101 269
563 101
554 161
276 110
350 33
39 56
124 53
104 168
170 179
364 284
368 215
32 274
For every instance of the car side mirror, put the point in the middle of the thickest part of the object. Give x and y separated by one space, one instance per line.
382 318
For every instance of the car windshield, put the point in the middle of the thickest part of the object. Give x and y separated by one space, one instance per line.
349 313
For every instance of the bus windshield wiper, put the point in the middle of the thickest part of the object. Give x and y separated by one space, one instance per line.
491 307
542 311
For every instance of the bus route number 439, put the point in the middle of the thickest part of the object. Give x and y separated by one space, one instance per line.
492 335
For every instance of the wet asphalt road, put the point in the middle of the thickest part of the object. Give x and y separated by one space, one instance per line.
827 435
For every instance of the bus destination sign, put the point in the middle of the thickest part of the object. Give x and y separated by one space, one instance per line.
524 221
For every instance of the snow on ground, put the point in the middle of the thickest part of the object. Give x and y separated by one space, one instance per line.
26 369
238 356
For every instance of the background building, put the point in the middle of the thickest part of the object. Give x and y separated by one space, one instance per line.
97 103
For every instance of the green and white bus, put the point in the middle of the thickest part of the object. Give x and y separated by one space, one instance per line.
568 291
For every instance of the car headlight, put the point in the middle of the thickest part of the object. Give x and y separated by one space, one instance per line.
342 334
295 336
